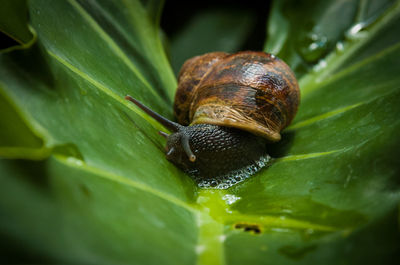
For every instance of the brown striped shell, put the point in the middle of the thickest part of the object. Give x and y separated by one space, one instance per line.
252 91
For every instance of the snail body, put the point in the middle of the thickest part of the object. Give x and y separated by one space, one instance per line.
228 107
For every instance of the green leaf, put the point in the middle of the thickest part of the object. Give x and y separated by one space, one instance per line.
17 140
78 214
302 33
13 21
102 191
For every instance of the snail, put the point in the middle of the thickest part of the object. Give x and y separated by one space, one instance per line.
228 107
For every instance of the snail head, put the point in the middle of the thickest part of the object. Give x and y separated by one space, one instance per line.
178 149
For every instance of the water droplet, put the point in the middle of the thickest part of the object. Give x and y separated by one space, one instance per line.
232 181
286 210
237 176
222 238
213 183
356 31
200 249
320 65
339 46
223 186
312 46
277 229
75 161
230 198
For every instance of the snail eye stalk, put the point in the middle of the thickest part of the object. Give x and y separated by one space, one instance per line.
186 148
170 125
163 134
170 151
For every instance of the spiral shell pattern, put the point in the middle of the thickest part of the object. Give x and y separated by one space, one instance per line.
252 91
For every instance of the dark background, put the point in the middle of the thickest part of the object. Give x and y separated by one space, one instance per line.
176 15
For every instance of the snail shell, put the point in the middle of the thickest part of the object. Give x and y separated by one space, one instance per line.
223 103
252 91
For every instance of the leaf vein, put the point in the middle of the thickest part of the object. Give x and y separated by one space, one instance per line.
114 47
104 89
353 68
278 222
123 180
312 81
323 116
309 155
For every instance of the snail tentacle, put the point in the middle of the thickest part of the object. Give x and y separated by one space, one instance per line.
163 134
173 126
170 151
186 147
